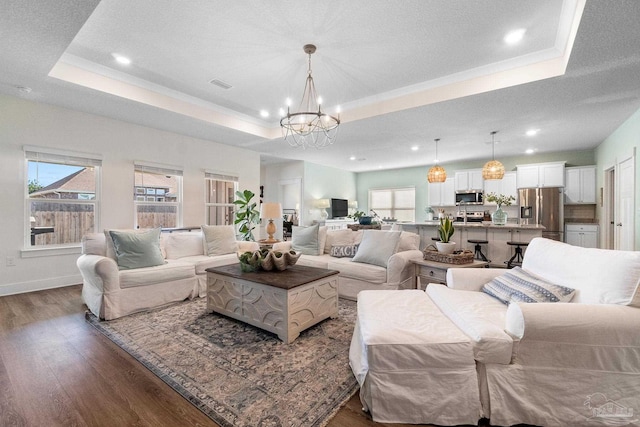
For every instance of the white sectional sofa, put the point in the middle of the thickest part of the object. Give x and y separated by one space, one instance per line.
396 272
543 363
110 292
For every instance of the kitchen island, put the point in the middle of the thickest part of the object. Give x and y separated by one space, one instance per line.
497 250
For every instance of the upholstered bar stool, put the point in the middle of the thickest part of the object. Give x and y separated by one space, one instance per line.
478 249
516 259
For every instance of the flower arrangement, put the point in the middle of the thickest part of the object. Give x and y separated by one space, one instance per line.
500 199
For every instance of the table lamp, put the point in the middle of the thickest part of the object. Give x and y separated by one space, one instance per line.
270 211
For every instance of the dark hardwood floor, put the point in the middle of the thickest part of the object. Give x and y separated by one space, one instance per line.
56 370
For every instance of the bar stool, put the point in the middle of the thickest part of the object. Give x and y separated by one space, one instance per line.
516 259
478 254
435 239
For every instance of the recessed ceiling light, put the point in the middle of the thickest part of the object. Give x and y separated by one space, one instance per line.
514 36
532 132
282 113
121 59
414 148
264 113
530 151
352 158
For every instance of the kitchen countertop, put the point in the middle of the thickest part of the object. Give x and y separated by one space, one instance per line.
477 225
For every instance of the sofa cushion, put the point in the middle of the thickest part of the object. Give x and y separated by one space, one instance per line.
377 247
319 261
409 241
137 250
305 240
94 244
110 251
180 245
343 251
599 276
172 270
481 317
342 237
219 239
518 285
365 272
202 262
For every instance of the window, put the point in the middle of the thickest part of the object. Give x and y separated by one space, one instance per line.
398 203
220 194
62 196
157 196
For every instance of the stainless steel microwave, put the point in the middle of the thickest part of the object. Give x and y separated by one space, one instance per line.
469 198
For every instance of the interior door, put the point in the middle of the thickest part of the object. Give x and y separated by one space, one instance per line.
625 224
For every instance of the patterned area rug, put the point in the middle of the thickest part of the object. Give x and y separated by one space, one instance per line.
237 374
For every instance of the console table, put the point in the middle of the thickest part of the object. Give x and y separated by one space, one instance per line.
283 302
436 272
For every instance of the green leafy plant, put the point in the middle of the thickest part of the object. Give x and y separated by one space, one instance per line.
357 215
445 230
500 199
246 214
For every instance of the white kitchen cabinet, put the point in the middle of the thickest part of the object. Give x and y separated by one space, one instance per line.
580 185
585 235
540 175
442 193
469 180
507 186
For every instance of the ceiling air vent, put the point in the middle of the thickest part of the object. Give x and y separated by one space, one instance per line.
220 83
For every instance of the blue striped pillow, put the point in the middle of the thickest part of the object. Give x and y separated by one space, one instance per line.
517 285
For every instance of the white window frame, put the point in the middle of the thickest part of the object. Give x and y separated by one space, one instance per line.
219 176
393 208
158 169
70 158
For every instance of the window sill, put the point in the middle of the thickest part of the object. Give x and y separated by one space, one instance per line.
50 251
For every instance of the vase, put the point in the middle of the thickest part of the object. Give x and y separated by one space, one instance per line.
365 220
499 217
446 248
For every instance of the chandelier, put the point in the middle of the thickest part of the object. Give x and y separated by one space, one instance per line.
436 173
493 169
309 126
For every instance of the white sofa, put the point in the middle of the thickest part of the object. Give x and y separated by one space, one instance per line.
358 276
111 293
549 364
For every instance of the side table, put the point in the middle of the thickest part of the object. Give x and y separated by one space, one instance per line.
436 272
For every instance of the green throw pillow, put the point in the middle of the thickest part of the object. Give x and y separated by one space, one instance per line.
305 240
137 249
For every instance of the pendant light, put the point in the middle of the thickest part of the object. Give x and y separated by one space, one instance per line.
437 173
493 169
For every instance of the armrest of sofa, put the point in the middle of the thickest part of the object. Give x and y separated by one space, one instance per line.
282 246
399 266
577 336
99 272
247 246
471 279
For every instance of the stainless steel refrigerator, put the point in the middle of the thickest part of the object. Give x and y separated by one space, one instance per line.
543 206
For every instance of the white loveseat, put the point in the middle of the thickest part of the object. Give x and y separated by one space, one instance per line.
453 354
111 293
357 276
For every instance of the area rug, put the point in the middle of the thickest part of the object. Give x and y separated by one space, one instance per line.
237 374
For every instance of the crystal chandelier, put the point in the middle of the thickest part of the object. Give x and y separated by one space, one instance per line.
309 126
436 173
493 169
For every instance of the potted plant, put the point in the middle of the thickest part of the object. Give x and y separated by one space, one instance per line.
445 231
361 217
246 214
499 217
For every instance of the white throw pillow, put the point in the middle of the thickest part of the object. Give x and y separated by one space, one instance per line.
342 237
219 240
180 245
377 247
409 241
306 240
518 285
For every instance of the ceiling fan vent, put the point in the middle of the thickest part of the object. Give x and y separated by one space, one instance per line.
220 83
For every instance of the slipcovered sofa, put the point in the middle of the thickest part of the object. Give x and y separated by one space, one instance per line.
453 354
366 259
111 292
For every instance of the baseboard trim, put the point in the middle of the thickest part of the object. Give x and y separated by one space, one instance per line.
40 285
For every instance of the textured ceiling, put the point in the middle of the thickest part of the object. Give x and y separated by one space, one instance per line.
403 75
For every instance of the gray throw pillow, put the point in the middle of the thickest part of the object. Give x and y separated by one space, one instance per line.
343 251
219 239
305 240
377 247
518 285
137 249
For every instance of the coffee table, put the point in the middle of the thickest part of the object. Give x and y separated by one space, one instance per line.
283 302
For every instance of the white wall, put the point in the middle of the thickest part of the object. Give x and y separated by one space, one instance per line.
120 143
322 182
272 176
